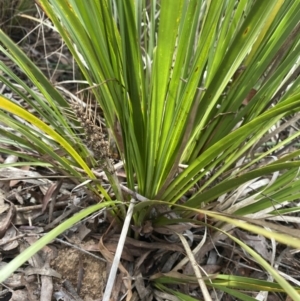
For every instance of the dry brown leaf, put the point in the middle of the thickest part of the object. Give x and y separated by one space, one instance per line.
145 230
71 289
211 268
46 288
108 255
140 261
144 292
13 183
257 242
132 243
7 220
3 206
159 295
8 242
171 229
33 177
64 295
126 254
14 281
115 295
19 198
45 271
19 295
13 172
83 231
51 193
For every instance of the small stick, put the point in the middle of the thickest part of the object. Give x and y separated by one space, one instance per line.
35 207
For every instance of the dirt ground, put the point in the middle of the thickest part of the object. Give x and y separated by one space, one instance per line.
74 266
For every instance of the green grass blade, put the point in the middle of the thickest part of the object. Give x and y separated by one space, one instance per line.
38 245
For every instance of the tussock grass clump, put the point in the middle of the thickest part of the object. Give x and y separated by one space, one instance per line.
193 93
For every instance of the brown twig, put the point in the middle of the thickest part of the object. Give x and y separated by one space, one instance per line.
35 207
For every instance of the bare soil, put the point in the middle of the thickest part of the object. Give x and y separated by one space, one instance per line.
81 270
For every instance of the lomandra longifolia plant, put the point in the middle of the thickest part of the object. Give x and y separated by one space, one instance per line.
194 94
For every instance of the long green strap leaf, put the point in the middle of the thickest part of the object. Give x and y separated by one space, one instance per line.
8 269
